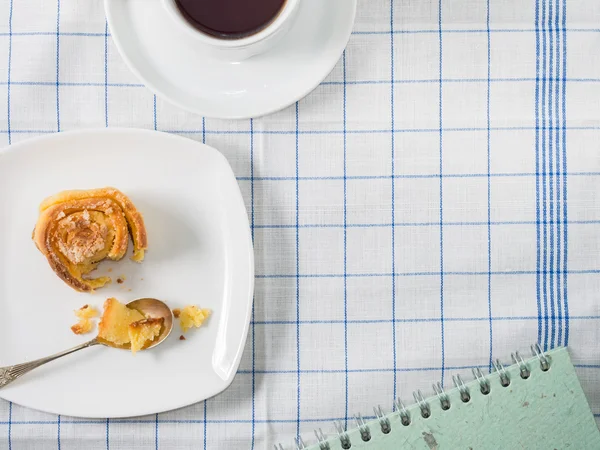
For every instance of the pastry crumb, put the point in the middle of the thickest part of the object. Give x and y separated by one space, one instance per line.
86 312
82 327
176 313
121 279
182 338
192 316
109 269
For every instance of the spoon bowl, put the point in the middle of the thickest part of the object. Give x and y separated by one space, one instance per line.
155 309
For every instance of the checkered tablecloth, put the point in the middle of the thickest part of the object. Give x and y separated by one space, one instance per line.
435 202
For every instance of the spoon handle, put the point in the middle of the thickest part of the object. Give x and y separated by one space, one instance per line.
11 373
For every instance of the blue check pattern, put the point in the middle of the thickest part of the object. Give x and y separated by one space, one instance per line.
432 205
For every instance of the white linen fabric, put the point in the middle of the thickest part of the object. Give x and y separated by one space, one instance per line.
433 204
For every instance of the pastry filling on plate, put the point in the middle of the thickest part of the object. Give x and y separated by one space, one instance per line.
85 325
82 327
192 316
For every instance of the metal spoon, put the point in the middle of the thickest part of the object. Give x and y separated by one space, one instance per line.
149 307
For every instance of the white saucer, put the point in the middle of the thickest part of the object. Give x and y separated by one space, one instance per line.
177 69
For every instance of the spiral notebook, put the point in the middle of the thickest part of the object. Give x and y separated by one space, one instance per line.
533 404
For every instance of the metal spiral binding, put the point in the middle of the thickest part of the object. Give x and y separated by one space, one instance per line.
423 405
384 422
485 388
363 428
343 436
484 384
404 414
465 395
523 369
442 396
323 444
504 378
537 351
300 443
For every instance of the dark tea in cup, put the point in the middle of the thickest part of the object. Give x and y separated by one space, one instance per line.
230 19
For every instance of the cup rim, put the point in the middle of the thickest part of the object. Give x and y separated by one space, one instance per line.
283 15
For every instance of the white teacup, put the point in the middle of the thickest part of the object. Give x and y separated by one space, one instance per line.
242 48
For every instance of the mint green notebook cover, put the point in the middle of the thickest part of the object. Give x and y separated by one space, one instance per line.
548 410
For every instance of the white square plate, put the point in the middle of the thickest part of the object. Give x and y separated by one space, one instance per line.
200 252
